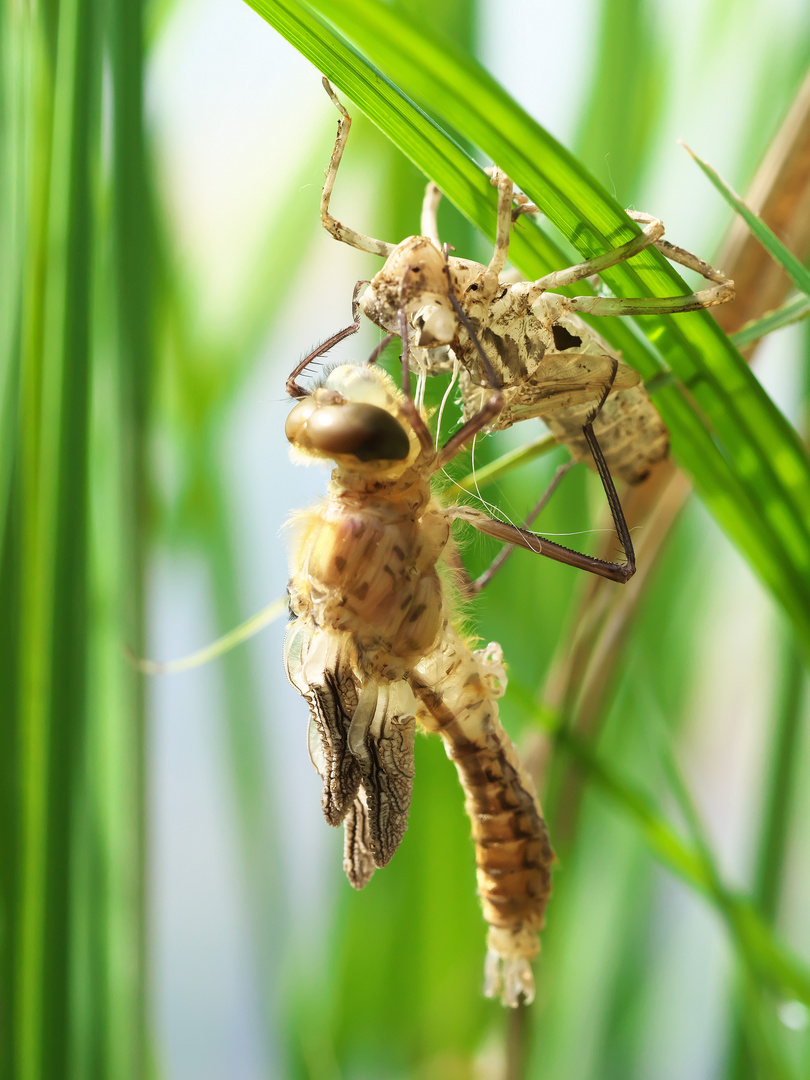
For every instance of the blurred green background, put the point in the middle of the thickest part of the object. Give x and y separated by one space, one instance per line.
171 901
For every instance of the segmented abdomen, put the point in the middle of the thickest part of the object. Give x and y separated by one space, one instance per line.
631 434
457 691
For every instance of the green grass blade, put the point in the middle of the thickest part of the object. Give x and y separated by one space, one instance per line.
24 802
507 463
683 860
224 644
13 212
791 312
71 890
780 776
768 960
625 98
120 555
799 275
54 570
465 95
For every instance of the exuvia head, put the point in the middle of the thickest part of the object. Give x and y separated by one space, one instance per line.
352 420
414 280
418 279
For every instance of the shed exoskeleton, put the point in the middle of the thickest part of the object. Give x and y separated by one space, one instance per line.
527 339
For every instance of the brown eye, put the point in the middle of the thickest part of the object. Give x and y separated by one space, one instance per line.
367 432
297 419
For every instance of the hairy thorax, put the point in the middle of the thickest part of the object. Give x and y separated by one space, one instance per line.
368 566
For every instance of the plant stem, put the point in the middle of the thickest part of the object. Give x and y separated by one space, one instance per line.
518 1042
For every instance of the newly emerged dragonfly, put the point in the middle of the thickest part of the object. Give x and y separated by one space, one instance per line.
373 649
530 341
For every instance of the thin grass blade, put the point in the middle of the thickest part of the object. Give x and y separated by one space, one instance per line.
767 237
791 312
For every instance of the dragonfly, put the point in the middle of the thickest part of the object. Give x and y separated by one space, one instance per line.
523 336
374 649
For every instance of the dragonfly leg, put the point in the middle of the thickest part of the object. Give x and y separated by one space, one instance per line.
339 231
472 586
294 389
616 511
485 415
516 536
507 214
522 537
380 349
513 534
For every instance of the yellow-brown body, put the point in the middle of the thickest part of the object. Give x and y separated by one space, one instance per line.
373 650
365 562
458 692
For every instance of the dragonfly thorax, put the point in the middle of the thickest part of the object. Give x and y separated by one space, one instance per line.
367 566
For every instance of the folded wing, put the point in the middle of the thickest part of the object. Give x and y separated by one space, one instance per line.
361 741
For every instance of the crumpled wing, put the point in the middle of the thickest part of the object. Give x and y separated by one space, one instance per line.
321 666
381 740
358 860
361 741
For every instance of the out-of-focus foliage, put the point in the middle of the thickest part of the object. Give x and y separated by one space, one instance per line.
75 369
110 366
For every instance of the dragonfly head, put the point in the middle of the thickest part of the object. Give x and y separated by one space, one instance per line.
353 420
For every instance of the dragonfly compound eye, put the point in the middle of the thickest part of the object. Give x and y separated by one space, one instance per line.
367 432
